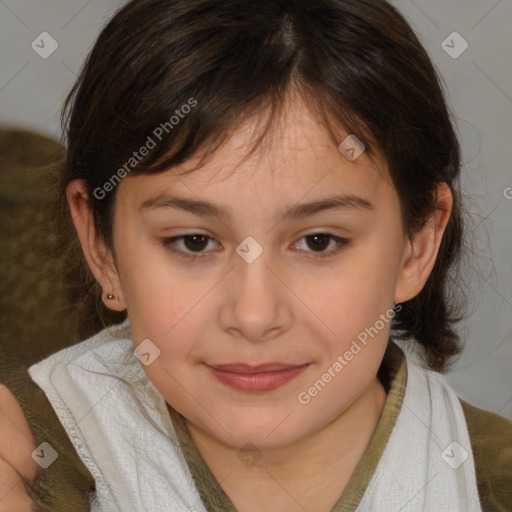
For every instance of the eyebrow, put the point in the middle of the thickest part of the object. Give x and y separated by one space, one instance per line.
206 208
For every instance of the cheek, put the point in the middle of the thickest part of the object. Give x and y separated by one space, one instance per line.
357 292
354 311
157 293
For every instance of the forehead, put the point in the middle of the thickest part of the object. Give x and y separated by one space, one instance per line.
297 160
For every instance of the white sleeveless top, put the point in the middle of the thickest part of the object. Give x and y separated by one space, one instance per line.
121 429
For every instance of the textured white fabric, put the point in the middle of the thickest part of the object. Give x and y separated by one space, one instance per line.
427 464
121 429
119 425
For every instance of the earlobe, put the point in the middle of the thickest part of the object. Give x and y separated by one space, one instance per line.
114 302
421 252
97 255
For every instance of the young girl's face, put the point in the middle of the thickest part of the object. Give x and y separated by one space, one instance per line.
262 289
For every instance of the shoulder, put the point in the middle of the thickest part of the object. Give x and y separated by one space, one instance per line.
16 447
491 441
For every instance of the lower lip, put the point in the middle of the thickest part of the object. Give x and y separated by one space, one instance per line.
262 381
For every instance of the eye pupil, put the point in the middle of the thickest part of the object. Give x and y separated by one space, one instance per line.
317 237
194 239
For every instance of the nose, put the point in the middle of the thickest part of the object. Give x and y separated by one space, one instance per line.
257 300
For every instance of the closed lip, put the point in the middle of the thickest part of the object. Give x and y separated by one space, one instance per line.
260 368
256 378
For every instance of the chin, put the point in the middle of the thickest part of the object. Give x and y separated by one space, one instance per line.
265 431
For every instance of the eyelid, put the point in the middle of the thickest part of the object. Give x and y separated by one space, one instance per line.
168 242
340 241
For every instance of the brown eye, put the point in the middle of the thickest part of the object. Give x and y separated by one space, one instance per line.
318 242
193 243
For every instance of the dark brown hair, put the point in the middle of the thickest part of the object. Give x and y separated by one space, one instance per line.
356 63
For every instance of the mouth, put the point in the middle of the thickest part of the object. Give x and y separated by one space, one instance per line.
264 377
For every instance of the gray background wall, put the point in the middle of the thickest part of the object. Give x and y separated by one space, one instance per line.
478 85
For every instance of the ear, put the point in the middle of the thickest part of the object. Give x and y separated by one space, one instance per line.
98 256
421 253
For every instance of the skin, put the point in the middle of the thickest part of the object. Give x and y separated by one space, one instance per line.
16 445
288 305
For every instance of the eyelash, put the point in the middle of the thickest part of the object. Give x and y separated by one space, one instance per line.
341 242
